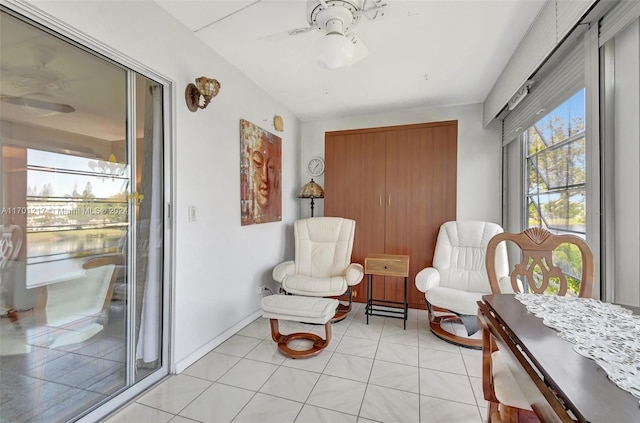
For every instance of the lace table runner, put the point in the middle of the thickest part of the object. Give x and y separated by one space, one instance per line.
604 332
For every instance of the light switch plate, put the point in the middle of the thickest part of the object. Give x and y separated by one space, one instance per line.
192 213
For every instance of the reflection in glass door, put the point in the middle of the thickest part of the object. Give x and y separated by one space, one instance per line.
81 226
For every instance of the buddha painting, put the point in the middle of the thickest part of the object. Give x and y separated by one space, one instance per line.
260 173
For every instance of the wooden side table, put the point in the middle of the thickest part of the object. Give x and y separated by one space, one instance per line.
386 265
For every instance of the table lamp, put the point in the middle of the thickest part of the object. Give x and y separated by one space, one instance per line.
311 190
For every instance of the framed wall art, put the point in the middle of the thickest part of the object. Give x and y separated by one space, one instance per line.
260 175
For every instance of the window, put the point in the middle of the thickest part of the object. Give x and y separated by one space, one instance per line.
555 163
556 179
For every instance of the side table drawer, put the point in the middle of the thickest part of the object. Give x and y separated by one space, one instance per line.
386 264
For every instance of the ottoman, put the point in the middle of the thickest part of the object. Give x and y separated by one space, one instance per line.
299 309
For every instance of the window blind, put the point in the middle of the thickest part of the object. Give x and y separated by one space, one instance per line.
536 44
562 81
569 13
555 21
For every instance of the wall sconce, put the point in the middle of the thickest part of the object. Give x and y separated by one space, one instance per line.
311 190
205 87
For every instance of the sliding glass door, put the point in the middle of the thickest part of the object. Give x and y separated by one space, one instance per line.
81 226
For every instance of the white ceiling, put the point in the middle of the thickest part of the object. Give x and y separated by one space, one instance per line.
422 53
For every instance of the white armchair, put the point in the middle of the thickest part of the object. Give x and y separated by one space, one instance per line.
458 277
322 264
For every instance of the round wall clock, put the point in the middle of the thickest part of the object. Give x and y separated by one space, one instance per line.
315 166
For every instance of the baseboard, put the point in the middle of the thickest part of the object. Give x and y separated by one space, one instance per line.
181 365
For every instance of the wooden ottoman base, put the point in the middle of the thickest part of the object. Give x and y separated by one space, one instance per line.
283 340
299 309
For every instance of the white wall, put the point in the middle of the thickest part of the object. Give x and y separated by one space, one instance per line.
218 263
479 154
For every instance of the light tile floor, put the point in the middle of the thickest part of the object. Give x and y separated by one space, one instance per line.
368 373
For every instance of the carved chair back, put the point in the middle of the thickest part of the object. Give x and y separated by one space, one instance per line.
538 270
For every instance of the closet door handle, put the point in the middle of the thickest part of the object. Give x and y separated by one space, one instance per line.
380 201
389 200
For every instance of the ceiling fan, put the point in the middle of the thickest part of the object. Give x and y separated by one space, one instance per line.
338 47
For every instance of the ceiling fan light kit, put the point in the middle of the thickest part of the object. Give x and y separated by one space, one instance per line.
334 50
338 48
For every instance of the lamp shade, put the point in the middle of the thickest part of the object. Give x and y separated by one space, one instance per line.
208 87
311 190
334 50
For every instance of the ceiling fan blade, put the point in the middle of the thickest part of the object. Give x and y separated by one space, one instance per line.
372 12
38 104
278 36
300 30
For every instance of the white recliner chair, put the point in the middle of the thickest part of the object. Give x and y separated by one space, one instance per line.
458 278
322 264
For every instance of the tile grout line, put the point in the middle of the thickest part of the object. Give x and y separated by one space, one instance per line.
216 381
366 388
305 402
258 390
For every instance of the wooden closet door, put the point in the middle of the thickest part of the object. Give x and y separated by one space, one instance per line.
421 195
399 185
354 185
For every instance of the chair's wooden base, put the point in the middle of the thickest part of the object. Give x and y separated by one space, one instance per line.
435 324
341 312
318 343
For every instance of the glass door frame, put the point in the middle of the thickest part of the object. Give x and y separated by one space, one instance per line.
95 47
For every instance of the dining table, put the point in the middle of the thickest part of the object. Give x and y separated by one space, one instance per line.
560 384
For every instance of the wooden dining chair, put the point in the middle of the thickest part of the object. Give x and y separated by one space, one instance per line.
541 271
